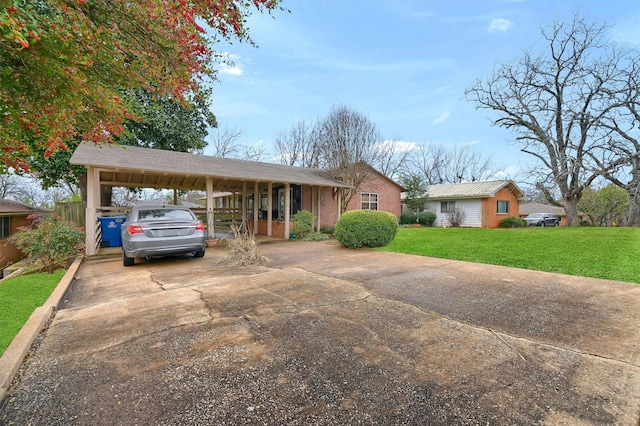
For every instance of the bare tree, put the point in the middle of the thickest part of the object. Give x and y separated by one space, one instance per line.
554 102
347 142
298 146
225 141
464 164
436 164
391 157
10 185
623 121
255 152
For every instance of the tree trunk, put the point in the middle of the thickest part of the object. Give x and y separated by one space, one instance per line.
106 192
633 216
571 209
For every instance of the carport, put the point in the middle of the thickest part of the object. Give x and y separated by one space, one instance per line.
135 167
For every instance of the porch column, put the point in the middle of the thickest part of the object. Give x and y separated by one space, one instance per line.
269 209
91 216
339 197
211 232
243 209
318 198
256 203
287 209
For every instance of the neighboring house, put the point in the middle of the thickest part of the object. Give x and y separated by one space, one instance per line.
482 204
13 215
528 208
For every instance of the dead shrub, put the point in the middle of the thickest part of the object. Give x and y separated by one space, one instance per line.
242 250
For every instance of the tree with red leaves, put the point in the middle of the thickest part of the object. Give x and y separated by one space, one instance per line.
64 62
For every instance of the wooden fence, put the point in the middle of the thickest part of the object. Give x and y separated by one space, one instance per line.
72 212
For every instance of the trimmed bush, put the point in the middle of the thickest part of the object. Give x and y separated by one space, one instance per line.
512 222
408 218
366 228
302 223
427 218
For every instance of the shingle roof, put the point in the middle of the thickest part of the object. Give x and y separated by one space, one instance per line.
483 189
145 160
14 207
529 208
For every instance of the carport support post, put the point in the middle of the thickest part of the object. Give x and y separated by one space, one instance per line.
269 209
318 198
243 209
211 232
287 209
256 202
93 194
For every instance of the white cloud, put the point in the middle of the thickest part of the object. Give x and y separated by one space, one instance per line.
500 24
395 146
235 70
443 117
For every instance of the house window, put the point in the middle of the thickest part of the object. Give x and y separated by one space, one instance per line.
5 227
369 201
447 207
503 207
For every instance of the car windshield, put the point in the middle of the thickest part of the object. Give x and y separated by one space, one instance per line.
155 214
535 215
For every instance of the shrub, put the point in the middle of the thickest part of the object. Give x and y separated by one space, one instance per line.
327 229
316 236
49 241
512 222
457 217
408 218
242 249
427 218
302 223
371 228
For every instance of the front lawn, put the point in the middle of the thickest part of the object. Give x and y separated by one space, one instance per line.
18 299
609 253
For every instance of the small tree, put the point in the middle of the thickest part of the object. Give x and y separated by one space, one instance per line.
457 217
49 241
302 223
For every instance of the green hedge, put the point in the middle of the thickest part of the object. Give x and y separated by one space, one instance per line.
370 228
426 218
512 222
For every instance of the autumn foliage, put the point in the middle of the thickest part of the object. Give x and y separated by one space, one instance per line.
63 63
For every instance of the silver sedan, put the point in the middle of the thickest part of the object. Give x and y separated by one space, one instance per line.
155 231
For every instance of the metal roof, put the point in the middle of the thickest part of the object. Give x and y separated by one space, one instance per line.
481 189
154 168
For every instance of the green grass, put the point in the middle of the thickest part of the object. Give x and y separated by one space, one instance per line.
609 253
19 297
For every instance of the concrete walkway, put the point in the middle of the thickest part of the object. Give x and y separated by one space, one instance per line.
326 335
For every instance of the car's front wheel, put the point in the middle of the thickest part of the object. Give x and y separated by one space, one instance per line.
542 224
556 224
127 261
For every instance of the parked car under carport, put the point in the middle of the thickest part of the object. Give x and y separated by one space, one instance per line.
156 231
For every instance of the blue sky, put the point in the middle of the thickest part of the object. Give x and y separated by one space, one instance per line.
403 64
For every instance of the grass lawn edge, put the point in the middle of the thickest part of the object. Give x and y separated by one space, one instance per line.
17 350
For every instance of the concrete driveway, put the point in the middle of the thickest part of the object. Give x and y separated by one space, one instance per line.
325 335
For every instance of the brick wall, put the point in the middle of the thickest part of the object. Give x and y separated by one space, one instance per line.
490 216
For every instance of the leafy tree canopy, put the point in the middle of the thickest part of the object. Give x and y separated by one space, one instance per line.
64 63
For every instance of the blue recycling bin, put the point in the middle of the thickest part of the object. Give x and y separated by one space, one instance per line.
110 226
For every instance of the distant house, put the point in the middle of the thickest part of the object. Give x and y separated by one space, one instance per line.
528 208
13 215
480 204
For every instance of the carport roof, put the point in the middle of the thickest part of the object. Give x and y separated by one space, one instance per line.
144 167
